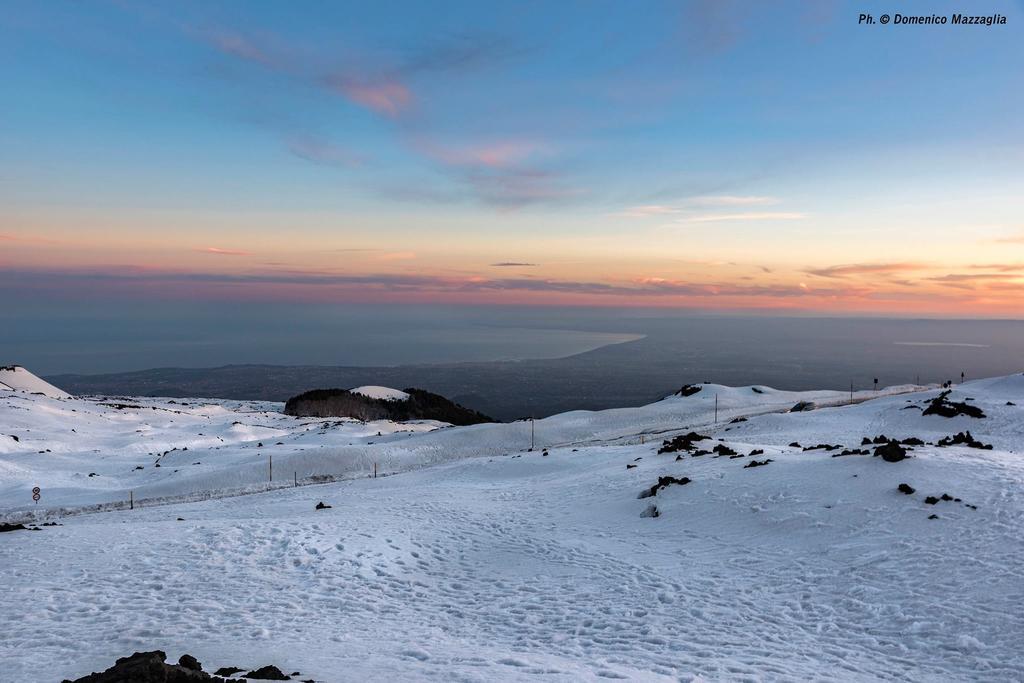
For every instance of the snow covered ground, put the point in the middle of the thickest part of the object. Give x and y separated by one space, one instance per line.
386 393
214 447
497 563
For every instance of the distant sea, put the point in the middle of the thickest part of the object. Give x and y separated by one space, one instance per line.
511 360
120 338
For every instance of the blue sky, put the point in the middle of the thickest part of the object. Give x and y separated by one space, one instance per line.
711 154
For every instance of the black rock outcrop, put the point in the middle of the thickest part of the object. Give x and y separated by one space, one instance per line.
421 405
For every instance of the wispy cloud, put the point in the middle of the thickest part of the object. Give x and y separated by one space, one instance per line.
732 200
703 202
382 83
648 210
321 151
398 282
507 173
864 269
512 264
1012 239
976 280
239 46
761 216
1001 267
494 154
384 95
222 252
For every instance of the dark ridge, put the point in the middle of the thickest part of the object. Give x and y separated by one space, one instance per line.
421 405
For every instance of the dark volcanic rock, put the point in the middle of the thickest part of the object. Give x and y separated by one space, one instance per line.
722 449
688 390
963 439
891 452
189 662
421 405
227 671
682 442
322 506
268 673
905 488
663 482
851 451
931 500
758 463
148 667
941 405
802 407
10 527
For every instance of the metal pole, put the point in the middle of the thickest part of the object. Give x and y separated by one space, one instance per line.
532 433
296 475
131 500
716 408
271 467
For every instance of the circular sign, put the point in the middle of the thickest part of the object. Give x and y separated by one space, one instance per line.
35 490
35 497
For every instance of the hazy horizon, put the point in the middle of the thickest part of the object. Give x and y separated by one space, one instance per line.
115 340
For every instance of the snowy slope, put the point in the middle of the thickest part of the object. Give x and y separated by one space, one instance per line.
503 564
165 447
17 378
385 393
209 447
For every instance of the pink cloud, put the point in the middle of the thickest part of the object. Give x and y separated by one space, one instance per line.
223 252
498 154
387 96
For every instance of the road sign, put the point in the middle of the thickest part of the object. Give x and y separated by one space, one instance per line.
35 490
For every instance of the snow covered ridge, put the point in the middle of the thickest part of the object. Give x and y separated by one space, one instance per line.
103 451
651 543
382 393
17 378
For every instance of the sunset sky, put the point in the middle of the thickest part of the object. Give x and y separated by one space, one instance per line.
769 156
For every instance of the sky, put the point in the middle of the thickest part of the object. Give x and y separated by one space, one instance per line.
734 156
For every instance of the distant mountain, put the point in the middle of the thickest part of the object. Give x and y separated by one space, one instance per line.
384 404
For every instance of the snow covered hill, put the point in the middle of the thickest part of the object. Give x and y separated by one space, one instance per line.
780 548
96 450
17 378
